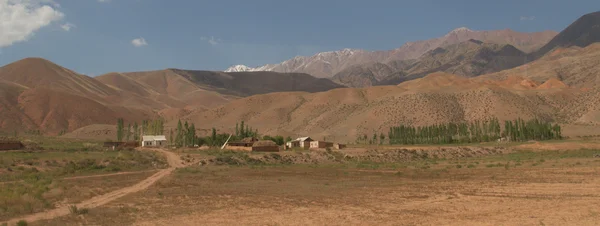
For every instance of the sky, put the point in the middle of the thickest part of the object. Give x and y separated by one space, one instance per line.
95 37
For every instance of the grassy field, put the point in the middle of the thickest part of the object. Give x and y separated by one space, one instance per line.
521 187
35 180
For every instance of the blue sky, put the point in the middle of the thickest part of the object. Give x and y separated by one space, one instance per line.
213 35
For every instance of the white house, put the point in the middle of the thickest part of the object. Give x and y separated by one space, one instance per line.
154 141
302 142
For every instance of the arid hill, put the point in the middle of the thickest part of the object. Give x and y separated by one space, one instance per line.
581 33
343 114
37 72
37 94
574 66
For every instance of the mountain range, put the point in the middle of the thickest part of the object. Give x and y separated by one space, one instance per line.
327 64
453 78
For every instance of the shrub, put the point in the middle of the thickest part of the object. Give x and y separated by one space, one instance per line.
77 211
22 223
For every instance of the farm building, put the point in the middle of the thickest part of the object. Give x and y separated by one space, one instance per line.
302 142
10 145
265 146
154 141
320 144
243 145
339 146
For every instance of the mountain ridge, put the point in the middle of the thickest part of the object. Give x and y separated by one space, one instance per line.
327 64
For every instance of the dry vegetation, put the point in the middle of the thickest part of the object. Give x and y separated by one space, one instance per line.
553 187
56 174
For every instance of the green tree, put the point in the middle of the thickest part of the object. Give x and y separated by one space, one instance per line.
128 132
242 131
213 137
192 134
186 132
120 129
179 136
136 132
171 136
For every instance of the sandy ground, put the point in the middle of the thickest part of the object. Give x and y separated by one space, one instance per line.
567 200
173 160
520 188
545 187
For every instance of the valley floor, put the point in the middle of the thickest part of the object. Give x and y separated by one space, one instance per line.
550 187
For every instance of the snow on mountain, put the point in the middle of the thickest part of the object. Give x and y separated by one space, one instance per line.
239 68
327 64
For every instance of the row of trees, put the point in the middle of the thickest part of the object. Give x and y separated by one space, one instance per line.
148 127
477 131
185 135
242 131
521 130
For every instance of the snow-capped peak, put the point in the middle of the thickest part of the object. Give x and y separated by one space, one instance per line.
461 29
239 68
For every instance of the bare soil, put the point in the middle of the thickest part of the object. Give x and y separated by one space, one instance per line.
551 187
173 160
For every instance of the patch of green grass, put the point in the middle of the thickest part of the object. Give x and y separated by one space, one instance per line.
471 166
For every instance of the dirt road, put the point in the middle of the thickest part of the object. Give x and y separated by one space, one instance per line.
173 160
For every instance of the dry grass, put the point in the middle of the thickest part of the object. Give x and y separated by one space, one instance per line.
553 187
33 181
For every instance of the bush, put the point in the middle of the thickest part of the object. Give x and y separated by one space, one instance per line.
77 211
22 223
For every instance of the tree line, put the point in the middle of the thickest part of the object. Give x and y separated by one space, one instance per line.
470 132
184 135
135 132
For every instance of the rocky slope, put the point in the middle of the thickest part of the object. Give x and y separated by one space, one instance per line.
327 64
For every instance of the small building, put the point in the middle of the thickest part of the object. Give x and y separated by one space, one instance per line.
302 142
265 146
10 145
154 141
339 146
242 145
320 144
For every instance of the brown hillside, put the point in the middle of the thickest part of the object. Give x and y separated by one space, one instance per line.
11 117
583 32
38 72
54 111
342 114
575 67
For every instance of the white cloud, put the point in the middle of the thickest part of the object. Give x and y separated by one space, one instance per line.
103 1
67 26
211 40
139 42
527 18
20 19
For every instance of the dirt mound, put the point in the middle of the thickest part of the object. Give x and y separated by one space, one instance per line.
552 83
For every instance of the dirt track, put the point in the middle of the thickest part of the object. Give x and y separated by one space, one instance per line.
172 159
